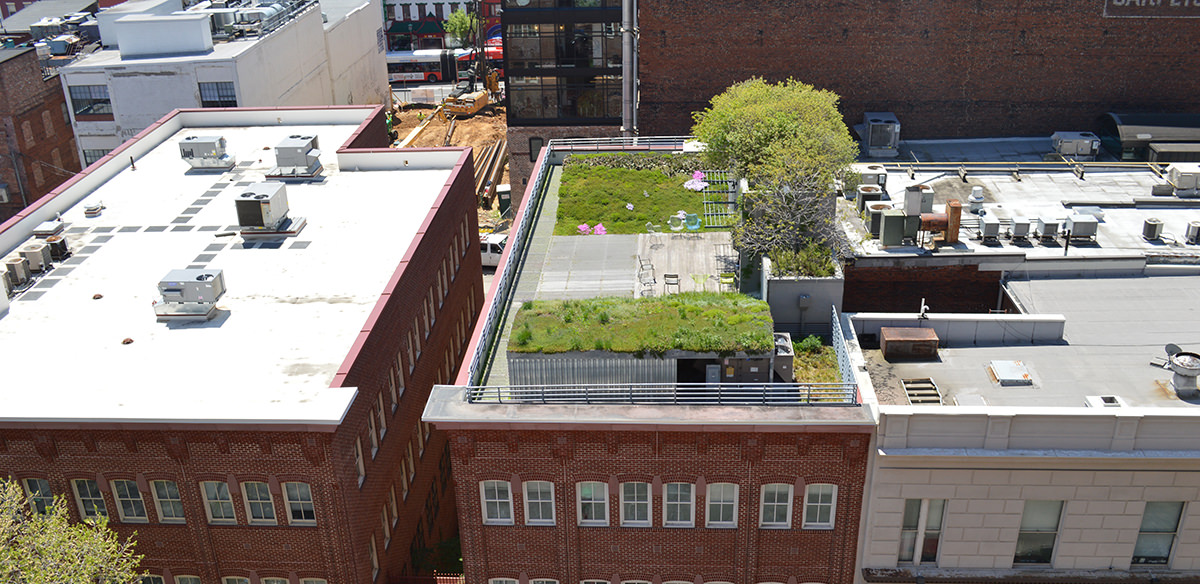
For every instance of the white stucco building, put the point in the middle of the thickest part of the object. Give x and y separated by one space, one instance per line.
158 57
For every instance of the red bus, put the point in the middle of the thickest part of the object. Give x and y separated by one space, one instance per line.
430 65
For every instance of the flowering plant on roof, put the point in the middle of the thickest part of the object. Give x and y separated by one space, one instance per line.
600 230
697 182
629 206
584 228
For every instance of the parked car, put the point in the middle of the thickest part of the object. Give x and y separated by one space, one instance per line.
491 247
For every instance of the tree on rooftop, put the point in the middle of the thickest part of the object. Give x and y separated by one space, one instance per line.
789 141
45 548
462 26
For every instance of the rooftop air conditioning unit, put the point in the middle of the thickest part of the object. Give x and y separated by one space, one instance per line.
874 174
1020 227
190 294
1081 226
882 134
205 152
1193 232
1047 227
262 207
297 156
38 256
1185 178
18 270
989 227
1077 145
1152 229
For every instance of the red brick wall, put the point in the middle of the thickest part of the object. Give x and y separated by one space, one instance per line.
745 555
26 98
952 288
947 68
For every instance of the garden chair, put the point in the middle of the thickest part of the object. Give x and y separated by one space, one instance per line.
644 264
670 280
692 222
655 232
675 223
727 279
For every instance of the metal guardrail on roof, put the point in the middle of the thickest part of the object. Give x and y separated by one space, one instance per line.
839 348
683 394
656 142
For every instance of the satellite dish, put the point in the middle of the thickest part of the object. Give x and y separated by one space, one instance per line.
1172 349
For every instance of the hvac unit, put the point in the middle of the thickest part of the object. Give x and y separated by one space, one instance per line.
882 135
867 192
6 280
874 174
1184 177
1047 227
297 157
58 248
1020 228
912 200
205 152
262 207
891 227
38 256
1081 226
1152 229
875 217
18 270
989 228
1193 232
1077 145
192 286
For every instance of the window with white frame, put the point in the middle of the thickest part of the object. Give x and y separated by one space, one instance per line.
635 504
387 528
420 434
40 497
593 503
1160 522
496 497
543 581
722 505
374 558
130 507
922 522
312 581
90 499
187 580
394 506
397 383
167 501
820 502
403 481
358 461
300 503
218 503
381 412
776 512
1039 530
593 582
539 503
428 429
152 579
679 505
235 580
372 432
501 581
259 506
273 581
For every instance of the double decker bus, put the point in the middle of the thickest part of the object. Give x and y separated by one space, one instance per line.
430 65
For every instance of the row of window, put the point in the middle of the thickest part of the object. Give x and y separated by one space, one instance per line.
678 504
228 580
921 532
168 502
94 100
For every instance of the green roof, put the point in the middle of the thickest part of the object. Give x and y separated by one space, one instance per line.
701 322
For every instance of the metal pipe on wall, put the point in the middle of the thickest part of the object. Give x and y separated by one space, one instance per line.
628 68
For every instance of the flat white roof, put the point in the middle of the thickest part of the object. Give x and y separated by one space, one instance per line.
289 318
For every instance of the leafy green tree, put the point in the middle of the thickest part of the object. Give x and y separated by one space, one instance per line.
462 26
789 141
45 548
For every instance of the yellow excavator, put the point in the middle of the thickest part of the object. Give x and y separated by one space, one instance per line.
464 101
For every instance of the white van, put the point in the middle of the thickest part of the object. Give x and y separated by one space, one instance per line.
491 247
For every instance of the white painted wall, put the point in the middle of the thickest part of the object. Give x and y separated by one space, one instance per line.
288 67
157 35
987 462
357 68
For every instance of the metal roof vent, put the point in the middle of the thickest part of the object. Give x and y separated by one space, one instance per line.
1009 373
1186 367
1104 401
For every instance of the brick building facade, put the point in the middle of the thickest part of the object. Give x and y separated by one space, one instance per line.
946 68
703 544
360 496
36 139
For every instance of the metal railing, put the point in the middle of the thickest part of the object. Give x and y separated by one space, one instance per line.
839 348
655 142
683 394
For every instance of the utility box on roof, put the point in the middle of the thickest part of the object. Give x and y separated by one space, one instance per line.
194 285
1077 145
908 343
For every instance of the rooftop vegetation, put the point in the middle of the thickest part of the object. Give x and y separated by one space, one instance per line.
623 192
702 322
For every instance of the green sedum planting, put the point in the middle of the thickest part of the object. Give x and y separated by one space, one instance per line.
702 322
601 195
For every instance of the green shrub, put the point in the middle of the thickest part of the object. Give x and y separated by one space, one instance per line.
813 261
810 344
